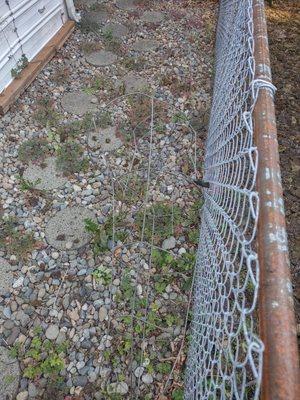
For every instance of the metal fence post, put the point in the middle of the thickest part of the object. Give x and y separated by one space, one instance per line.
277 321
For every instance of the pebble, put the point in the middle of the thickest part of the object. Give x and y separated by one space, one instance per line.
169 243
147 379
22 395
102 314
52 332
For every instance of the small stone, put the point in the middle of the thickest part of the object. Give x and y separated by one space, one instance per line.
169 243
138 372
52 332
74 316
18 283
102 313
118 388
55 255
22 395
147 379
80 380
32 390
181 251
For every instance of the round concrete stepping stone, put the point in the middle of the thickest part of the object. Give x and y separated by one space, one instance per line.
45 176
87 3
154 17
117 30
134 83
66 230
79 103
9 375
145 45
6 277
127 5
104 139
96 17
101 58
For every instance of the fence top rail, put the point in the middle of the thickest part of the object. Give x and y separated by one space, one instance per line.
277 320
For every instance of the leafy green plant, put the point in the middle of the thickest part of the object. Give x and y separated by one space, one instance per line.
34 150
99 236
47 358
177 394
102 275
166 218
70 158
108 34
103 233
126 285
21 64
164 368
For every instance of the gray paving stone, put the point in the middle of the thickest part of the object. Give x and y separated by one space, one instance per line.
6 276
79 103
101 58
127 5
117 30
96 17
134 83
104 139
9 375
143 45
154 17
66 230
87 3
45 176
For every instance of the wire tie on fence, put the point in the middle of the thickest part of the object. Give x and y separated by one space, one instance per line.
262 84
202 183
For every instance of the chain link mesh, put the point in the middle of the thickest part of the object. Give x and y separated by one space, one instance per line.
225 354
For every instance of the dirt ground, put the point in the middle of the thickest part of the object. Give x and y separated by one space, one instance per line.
283 28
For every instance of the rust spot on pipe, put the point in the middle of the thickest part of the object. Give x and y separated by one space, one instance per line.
277 320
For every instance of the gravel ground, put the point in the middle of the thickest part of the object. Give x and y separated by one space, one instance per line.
101 256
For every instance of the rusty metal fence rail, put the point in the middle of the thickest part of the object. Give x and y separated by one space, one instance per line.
243 341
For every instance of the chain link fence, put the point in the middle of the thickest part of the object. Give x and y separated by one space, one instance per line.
225 354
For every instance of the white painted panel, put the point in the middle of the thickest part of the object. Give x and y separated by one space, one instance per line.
4 10
26 26
5 70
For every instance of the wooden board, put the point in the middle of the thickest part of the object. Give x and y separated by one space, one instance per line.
19 84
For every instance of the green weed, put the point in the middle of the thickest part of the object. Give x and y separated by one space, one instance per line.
102 275
15 241
33 150
70 158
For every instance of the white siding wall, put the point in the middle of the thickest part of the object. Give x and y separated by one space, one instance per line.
25 27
